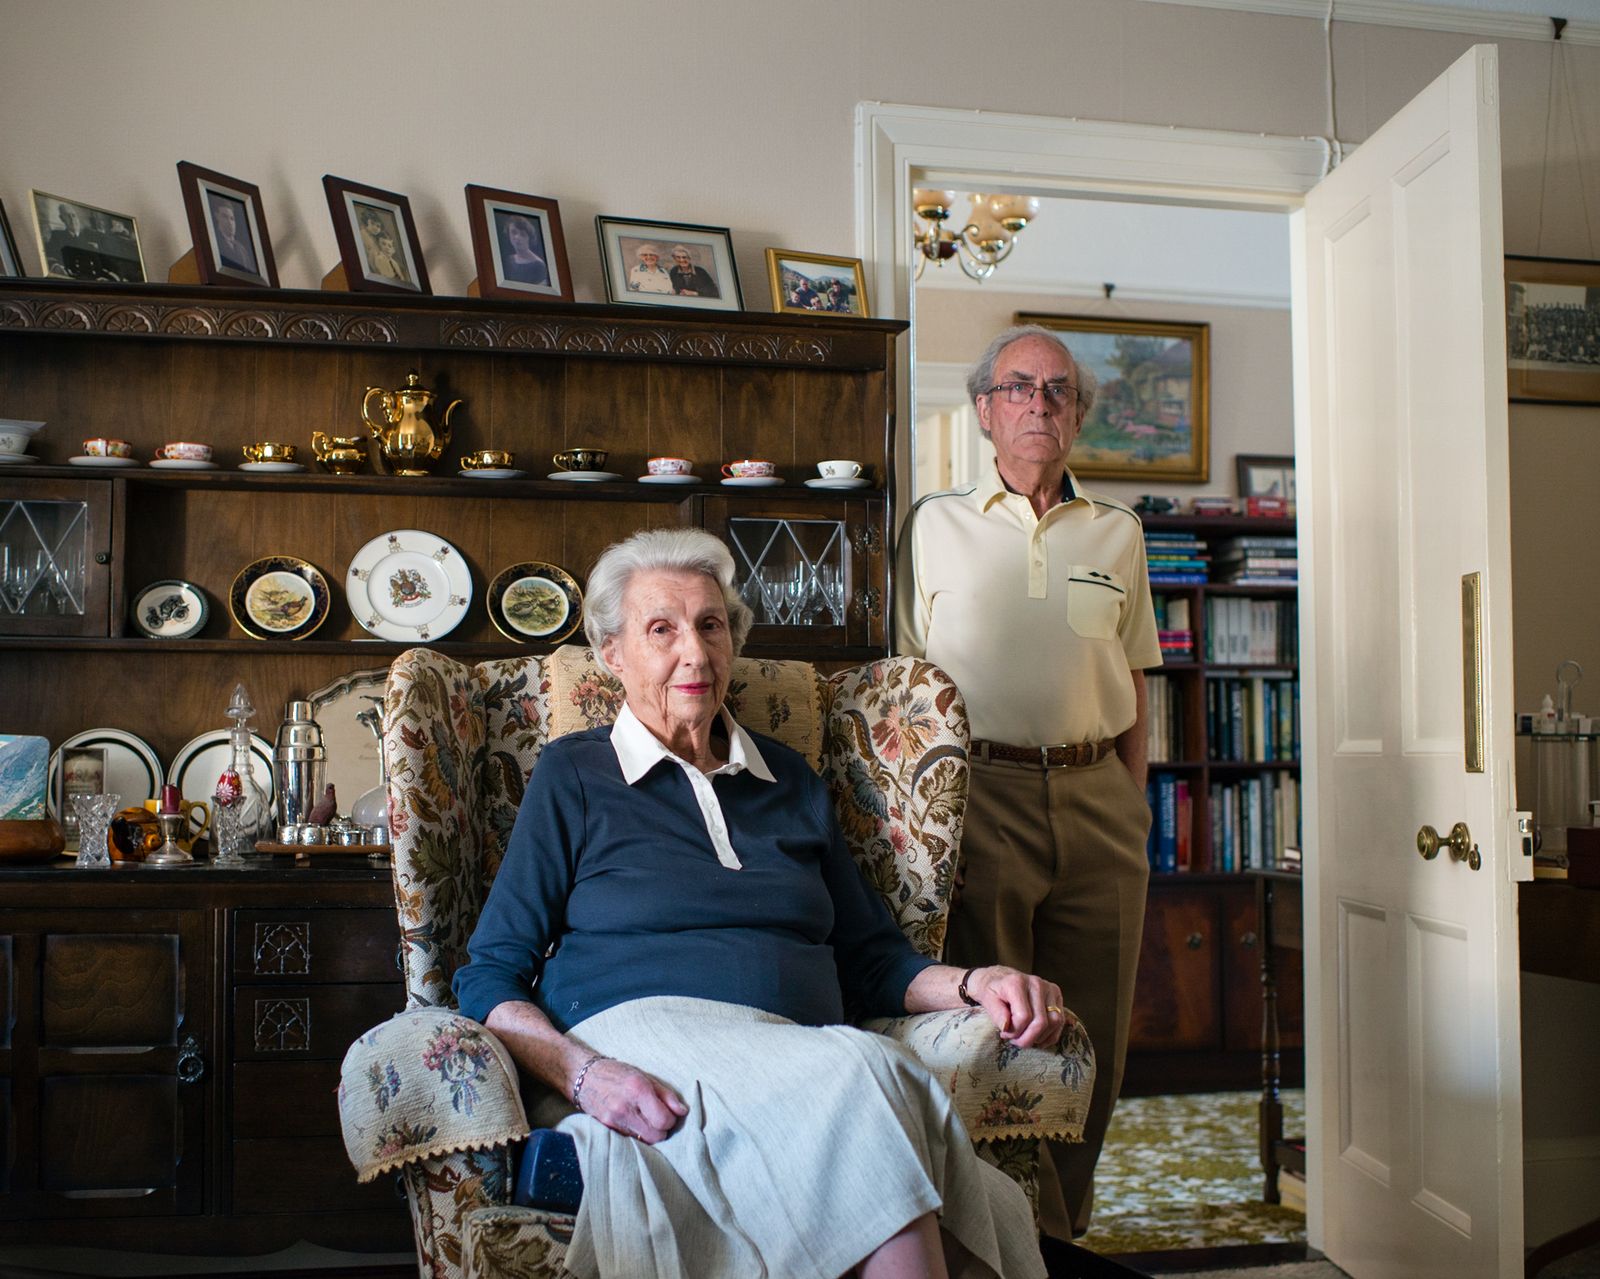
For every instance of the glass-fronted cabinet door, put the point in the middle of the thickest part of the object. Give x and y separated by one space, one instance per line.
814 574
55 557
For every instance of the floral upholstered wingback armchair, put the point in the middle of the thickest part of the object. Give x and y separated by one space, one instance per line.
435 1095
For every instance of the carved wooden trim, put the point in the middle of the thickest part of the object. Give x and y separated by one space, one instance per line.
283 1026
283 949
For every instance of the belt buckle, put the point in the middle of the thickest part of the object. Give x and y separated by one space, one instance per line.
1044 757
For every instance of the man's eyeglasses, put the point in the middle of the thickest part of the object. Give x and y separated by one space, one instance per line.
1055 393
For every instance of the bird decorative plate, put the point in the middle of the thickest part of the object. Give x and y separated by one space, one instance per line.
279 597
532 601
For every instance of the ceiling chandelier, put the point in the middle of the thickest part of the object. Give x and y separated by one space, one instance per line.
981 245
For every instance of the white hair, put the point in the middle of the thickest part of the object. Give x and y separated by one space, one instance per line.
981 376
658 550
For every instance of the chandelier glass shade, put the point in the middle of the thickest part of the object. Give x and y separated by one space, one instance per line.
983 243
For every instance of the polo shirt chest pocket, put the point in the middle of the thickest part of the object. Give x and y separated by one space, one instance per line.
1095 597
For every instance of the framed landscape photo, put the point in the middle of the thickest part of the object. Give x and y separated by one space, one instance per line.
80 241
1261 475
668 264
229 227
378 245
10 263
517 245
806 283
1150 418
1553 330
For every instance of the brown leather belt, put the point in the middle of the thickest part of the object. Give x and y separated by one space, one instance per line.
1077 755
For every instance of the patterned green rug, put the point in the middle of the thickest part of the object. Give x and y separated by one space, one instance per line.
1184 1172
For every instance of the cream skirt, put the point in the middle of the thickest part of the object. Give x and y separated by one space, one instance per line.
803 1150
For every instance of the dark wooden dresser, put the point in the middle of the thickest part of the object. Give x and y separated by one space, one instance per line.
169 1053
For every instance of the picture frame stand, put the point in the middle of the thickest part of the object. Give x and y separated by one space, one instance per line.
186 270
336 281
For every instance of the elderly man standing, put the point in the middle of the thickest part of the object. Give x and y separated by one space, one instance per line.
1033 594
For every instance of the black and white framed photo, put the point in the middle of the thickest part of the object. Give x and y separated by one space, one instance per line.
229 227
1553 330
668 264
1263 475
517 245
10 263
79 241
378 245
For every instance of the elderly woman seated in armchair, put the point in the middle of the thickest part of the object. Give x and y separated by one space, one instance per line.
670 944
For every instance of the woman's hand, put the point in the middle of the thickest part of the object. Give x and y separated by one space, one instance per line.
1028 1010
627 1100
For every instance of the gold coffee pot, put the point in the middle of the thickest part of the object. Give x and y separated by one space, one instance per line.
340 454
406 441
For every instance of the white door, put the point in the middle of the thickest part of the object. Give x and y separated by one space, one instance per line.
1411 965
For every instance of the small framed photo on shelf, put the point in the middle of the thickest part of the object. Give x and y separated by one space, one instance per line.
229 228
1150 417
806 283
1262 475
1553 330
10 263
517 245
379 251
668 264
80 241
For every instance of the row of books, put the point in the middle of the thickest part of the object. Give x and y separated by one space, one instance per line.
1175 558
1164 720
1253 718
1170 847
1256 561
1174 627
1253 821
1240 630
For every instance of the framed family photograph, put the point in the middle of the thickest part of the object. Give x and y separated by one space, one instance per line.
229 227
668 264
1150 418
517 245
1261 475
379 250
1553 330
811 282
10 263
80 241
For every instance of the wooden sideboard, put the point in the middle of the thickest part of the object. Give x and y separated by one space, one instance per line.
170 1044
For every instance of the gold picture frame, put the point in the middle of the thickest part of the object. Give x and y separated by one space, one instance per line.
796 290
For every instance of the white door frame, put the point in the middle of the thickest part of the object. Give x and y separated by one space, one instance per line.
1041 155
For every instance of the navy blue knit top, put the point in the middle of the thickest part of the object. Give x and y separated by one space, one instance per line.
624 881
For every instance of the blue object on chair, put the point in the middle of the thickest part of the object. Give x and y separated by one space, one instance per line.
548 1175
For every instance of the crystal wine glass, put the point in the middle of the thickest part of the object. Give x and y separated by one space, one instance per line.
94 825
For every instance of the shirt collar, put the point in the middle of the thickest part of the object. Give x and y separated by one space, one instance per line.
990 489
639 750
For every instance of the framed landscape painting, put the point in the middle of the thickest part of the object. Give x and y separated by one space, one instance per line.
1150 418
1553 330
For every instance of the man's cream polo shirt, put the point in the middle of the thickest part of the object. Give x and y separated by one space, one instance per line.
1038 621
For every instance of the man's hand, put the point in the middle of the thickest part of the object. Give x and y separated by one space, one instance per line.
1028 1010
627 1100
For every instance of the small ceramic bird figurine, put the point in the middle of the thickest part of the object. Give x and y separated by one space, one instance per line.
326 808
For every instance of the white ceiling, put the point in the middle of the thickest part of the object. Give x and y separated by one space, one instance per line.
1150 252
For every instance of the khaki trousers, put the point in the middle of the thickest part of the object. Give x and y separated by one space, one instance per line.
1055 885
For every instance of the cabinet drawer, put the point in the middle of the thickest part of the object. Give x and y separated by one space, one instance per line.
286 1099
304 1174
307 1023
1177 999
316 945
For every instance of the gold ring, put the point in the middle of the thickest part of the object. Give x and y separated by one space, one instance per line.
1051 1008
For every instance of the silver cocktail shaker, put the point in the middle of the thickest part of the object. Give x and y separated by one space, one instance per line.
298 764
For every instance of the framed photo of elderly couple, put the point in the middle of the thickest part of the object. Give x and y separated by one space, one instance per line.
1553 330
1151 416
668 264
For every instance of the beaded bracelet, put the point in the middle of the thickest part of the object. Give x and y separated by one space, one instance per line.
577 1080
962 988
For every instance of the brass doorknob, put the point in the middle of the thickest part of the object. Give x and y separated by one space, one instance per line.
1458 841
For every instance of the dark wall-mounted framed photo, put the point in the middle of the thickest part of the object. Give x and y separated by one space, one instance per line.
1263 475
229 228
517 245
1553 330
668 264
79 241
378 246
806 283
1151 417
10 263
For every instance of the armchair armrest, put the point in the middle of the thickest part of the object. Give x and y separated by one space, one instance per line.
426 1083
1001 1091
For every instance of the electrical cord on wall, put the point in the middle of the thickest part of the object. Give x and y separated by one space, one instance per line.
1335 148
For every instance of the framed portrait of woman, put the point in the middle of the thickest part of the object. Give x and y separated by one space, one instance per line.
517 245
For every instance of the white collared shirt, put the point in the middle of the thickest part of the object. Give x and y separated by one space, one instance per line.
639 750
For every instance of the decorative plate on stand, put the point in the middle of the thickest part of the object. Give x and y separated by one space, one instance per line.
408 585
169 609
535 603
279 597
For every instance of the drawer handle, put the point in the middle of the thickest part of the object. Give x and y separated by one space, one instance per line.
1247 939
1195 940
190 1063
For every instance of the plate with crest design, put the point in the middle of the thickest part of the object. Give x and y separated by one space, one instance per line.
408 585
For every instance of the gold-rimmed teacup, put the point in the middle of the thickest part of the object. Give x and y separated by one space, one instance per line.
487 460
269 451
580 459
